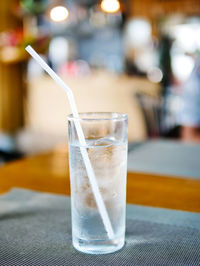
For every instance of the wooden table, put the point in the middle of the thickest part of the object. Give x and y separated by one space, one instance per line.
48 172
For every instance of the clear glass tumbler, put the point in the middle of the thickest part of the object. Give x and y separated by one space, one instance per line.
106 144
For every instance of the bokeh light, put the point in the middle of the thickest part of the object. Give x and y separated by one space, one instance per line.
155 75
110 6
59 13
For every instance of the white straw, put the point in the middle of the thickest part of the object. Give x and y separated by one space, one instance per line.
90 171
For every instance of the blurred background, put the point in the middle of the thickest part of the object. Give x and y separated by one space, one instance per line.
128 56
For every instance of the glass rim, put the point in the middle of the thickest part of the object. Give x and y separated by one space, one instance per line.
90 116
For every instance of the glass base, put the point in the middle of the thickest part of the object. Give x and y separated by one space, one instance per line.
98 246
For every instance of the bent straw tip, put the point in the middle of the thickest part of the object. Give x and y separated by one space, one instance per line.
28 48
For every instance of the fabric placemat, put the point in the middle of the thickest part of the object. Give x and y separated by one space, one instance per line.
35 229
166 157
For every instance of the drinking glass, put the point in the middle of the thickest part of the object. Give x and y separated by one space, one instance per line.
106 145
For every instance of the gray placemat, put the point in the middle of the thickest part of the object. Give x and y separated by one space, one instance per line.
165 157
35 230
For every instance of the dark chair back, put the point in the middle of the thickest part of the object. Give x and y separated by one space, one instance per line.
151 108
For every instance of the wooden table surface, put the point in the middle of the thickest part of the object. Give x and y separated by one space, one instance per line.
48 172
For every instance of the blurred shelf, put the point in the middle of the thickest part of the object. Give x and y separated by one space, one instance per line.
12 55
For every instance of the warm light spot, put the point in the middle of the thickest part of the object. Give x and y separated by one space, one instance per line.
59 13
110 6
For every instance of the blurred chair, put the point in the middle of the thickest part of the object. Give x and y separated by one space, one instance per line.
154 115
8 150
151 107
6 156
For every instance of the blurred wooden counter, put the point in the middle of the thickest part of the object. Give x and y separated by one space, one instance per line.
100 91
49 173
